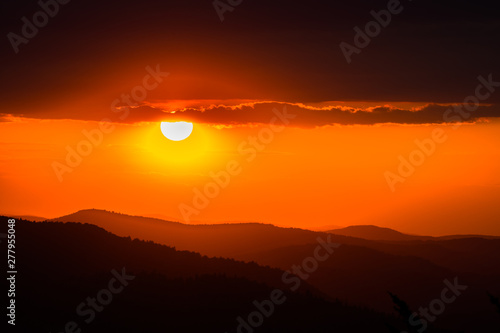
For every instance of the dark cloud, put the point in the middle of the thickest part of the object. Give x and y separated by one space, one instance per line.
305 116
310 117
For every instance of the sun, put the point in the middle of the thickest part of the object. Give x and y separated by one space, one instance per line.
176 131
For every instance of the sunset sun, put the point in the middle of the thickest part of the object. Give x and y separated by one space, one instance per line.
176 131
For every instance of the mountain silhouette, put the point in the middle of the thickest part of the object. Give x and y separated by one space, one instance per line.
226 240
67 264
240 241
372 232
361 271
28 217
376 233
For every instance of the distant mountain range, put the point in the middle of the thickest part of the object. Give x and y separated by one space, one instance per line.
369 232
385 234
226 240
370 261
29 217
66 265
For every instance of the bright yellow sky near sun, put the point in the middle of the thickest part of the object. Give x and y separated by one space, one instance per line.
333 175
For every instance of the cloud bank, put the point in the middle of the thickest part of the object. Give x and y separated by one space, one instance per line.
307 116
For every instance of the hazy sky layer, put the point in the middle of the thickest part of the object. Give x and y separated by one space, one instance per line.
333 175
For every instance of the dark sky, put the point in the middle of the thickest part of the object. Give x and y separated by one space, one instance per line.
92 51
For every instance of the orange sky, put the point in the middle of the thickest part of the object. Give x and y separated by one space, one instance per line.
303 177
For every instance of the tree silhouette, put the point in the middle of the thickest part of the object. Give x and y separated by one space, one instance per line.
495 301
404 311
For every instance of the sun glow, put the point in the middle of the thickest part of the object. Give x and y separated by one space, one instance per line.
198 154
176 131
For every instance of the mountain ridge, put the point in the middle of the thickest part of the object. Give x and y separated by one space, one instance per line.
357 231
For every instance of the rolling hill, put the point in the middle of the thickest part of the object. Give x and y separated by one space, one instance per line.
68 268
360 272
371 232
